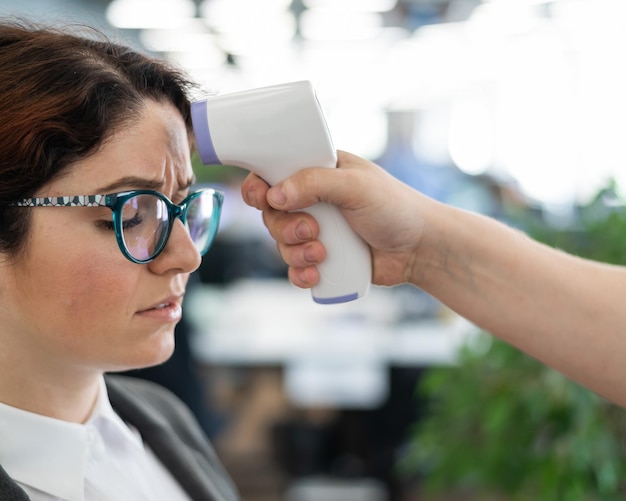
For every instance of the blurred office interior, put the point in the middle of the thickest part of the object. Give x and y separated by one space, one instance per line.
505 107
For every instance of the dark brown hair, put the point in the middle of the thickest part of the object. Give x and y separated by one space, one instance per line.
61 96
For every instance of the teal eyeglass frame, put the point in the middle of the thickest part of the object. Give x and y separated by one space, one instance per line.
116 201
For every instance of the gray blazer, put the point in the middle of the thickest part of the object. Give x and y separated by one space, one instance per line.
170 430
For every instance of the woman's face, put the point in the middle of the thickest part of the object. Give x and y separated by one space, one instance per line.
74 301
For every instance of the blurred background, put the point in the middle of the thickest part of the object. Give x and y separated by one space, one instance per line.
511 108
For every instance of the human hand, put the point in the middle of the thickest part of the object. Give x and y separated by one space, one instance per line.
381 209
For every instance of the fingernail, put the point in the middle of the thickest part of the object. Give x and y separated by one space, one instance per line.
251 196
303 231
277 196
309 255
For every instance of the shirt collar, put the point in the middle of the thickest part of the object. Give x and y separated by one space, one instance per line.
49 454
117 435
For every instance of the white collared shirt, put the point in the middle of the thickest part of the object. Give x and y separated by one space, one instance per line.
103 459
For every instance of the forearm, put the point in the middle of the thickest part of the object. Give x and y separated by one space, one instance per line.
563 310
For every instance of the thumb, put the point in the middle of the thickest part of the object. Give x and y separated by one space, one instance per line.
305 188
353 184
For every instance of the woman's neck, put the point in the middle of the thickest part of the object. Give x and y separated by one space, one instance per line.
48 389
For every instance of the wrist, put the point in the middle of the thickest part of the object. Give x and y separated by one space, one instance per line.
436 251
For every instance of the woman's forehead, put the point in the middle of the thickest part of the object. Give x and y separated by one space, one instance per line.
153 148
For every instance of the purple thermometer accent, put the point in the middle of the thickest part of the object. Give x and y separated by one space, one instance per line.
203 134
336 300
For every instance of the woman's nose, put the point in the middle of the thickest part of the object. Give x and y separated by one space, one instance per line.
179 253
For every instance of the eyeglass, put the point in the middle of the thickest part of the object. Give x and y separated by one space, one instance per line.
143 219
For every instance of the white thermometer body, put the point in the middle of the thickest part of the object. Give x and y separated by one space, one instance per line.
274 132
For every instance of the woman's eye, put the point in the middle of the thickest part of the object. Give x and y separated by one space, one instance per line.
136 220
127 224
107 224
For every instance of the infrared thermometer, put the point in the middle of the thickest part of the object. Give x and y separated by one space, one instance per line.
274 132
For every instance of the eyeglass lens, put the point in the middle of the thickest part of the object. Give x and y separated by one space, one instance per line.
146 224
200 213
145 221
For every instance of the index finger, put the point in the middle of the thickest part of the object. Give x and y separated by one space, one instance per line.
254 191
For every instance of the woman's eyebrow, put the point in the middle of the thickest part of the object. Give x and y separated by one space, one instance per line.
131 182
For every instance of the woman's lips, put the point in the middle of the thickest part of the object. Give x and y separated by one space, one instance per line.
164 311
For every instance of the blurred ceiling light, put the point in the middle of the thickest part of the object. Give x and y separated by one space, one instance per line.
192 46
338 25
265 25
362 5
139 14
252 37
521 3
365 136
196 62
255 5
502 18
189 36
434 65
471 136
591 24
226 15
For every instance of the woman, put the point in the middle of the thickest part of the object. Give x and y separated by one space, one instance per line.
99 231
